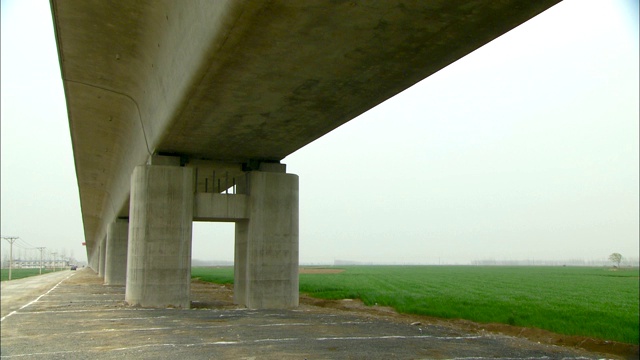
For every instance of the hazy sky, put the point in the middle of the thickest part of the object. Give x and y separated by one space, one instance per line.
524 149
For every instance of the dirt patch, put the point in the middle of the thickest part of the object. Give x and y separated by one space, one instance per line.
627 351
208 295
320 271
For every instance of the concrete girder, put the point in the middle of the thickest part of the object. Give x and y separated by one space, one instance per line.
235 80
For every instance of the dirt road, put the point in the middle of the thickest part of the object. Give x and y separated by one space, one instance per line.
20 292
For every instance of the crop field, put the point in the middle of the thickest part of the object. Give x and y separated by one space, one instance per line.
21 273
594 302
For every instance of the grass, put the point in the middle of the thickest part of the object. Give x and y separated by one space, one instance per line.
595 302
218 275
21 273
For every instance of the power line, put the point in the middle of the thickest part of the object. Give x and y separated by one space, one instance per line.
26 243
18 245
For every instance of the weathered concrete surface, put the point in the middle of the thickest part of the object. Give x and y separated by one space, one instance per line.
235 81
220 207
266 245
103 254
115 270
159 252
81 319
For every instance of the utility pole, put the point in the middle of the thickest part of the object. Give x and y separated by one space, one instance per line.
41 250
11 240
54 261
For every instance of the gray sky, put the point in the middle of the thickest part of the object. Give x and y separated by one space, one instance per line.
525 149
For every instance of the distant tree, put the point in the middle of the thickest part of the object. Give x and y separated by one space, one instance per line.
615 258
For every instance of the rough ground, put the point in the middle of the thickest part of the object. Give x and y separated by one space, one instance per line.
80 318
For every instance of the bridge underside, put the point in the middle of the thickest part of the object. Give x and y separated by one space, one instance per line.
225 88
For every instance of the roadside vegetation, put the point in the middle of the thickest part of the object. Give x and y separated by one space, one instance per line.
22 273
217 274
594 302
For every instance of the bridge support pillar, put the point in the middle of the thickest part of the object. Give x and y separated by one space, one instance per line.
94 259
115 271
159 251
101 258
266 244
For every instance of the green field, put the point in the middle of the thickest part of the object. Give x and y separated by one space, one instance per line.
596 302
21 273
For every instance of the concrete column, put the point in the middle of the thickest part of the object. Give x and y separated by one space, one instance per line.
101 258
94 258
115 270
266 252
159 252
240 262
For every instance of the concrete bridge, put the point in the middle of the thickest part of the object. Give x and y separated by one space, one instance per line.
182 111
